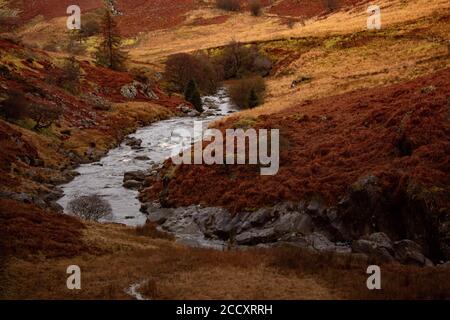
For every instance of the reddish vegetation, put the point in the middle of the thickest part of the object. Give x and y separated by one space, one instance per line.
54 8
14 147
398 133
144 15
306 8
138 16
33 74
28 230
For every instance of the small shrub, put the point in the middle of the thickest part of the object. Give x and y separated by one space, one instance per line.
183 67
70 78
192 95
255 8
91 207
247 93
14 107
44 116
331 5
290 23
75 44
239 61
228 5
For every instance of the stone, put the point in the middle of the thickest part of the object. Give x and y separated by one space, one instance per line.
134 175
182 222
319 242
214 222
132 184
193 113
129 91
160 215
445 265
255 236
142 158
316 207
371 248
410 252
297 222
257 218
381 240
133 142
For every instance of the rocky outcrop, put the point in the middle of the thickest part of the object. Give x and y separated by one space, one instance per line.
129 91
46 201
300 224
134 179
132 142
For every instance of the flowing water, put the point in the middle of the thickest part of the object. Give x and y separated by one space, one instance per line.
105 177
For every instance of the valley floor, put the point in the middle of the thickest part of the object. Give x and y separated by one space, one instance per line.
113 257
349 103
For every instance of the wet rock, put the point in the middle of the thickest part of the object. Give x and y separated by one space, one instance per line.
133 142
257 218
193 113
160 216
376 246
381 240
296 222
184 108
182 222
316 207
134 175
410 252
214 222
142 158
132 184
155 213
208 113
320 242
256 236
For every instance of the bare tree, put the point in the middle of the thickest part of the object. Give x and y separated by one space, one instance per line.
91 207
44 116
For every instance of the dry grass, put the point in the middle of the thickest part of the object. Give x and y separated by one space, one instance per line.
150 230
159 44
167 270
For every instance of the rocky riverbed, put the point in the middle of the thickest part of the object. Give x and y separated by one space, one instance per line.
360 224
147 147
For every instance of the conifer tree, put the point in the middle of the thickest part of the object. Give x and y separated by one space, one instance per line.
192 95
253 99
108 52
